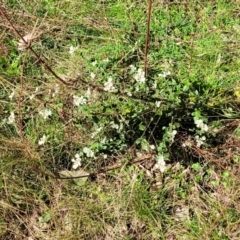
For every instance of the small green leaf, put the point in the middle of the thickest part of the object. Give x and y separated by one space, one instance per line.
142 127
196 166
15 64
46 217
185 88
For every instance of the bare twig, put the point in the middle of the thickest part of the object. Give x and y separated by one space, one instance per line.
110 168
147 37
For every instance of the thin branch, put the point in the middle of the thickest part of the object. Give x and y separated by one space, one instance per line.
110 168
147 37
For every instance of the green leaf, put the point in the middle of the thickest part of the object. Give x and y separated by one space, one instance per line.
46 217
197 114
185 88
15 64
142 127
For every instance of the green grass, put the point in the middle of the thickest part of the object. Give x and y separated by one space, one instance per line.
120 131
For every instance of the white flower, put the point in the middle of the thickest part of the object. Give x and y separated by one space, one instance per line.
72 49
200 140
161 165
76 161
11 118
205 128
12 95
132 68
152 147
88 152
106 60
172 135
114 125
88 93
187 143
158 103
154 86
31 97
199 123
140 76
128 93
79 100
96 132
56 90
164 74
45 113
42 140
108 86
92 75
139 154
94 63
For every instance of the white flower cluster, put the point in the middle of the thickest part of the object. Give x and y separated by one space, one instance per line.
132 68
200 140
188 142
108 86
164 74
88 93
42 140
106 60
154 86
76 161
11 118
31 97
94 63
72 49
45 113
88 152
96 132
79 100
12 94
114 125
172 135
160 164
56 90
82 99
92 75
158 103
140 76
199 123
